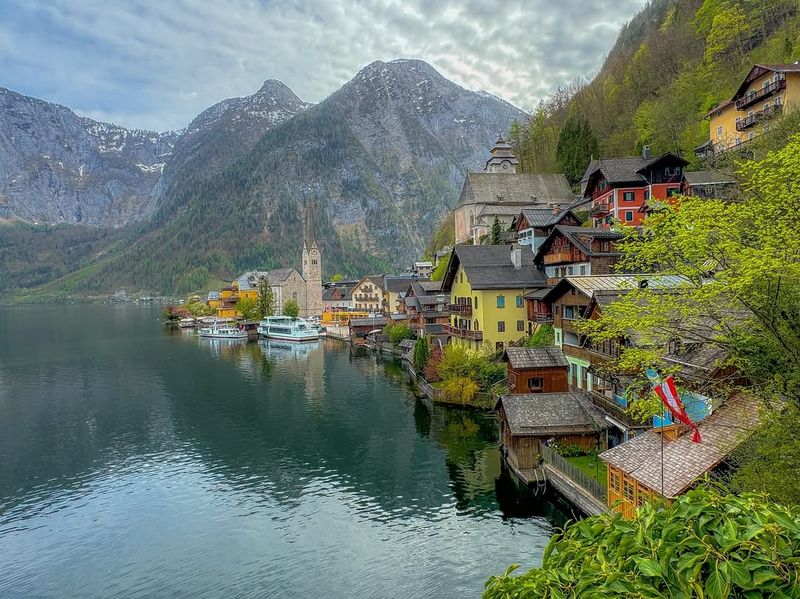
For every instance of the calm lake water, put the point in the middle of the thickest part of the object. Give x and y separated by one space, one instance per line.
135 462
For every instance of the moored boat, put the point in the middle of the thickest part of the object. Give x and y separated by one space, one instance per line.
286 328
222 331
186 323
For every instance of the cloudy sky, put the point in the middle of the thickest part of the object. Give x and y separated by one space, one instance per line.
157 63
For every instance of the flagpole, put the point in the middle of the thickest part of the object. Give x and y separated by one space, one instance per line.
663 415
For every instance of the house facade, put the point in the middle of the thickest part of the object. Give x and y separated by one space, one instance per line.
487 285
427 311
768 91
569 251
619 187
533 225
368 295
536 370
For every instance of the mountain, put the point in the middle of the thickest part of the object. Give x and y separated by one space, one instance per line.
58 167
370 170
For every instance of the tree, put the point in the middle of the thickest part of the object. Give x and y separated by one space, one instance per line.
543 336
266 299
172 313
291 309
421 353
397 332
705 544
248 308
337 277
576 145
496 236
441 267
739 261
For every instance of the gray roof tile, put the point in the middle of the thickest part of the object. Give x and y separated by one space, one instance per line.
535 357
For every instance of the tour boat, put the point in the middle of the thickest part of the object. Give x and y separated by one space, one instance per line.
222 331
286 328
186 323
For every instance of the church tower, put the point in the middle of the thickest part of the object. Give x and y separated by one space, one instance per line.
503 159
312 273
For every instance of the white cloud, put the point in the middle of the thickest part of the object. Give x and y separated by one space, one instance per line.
156 64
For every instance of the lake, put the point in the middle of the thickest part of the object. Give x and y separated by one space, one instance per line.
140 462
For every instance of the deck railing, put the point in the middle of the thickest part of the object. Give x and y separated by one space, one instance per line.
759 95
590 484
462 333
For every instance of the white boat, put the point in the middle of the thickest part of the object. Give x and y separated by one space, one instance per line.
186 323
286 328
222 331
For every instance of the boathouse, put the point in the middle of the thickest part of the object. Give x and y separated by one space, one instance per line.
528 421
536 369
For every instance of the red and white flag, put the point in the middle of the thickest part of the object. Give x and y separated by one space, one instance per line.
670 398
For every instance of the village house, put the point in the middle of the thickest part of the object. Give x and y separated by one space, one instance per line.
422 268
533 225
338 297
395 286
536 370
768 91
361 328
571 251
531 420
710 184
487 285
427 311
665 463
499 191
619 187
369 295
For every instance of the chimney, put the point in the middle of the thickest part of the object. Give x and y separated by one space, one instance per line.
516 256
646 152
556 209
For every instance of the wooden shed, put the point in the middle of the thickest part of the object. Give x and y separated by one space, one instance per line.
530 420
536 369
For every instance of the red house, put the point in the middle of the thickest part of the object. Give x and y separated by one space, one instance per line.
619 187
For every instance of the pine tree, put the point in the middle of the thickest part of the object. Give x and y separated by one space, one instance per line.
496 238
576 145
266 299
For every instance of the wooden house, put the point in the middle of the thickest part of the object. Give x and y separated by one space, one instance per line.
361 328
531 420
569 251
664 463
428 311
532 225
536 370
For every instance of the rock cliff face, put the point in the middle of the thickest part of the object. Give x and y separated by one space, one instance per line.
56 166
373 167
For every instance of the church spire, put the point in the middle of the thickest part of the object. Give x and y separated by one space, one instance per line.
503 159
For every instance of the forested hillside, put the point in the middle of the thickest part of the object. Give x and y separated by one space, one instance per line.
671 63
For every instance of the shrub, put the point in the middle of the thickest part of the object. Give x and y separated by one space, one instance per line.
421 354
291 309
459 389
396 332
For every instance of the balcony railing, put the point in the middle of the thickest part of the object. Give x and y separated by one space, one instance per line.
461 309
601 209
764 92
615 410
462 333
557 257
544 318
757 117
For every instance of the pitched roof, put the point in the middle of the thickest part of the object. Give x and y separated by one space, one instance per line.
490 267
429 286
708 178
398 283
580 237
625 169
759 70
544 217
345 292
607 288
407 344
685 461
552 413
377 322
535 357
519 188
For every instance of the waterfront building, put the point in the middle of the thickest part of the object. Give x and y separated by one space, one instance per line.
338 297
369 295
767 91
665 463
427 312
487 285
536 370
500 191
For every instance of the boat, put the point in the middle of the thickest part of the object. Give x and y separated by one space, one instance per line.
186 323
286 328
222 331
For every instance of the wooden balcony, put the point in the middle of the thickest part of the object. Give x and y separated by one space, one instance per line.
544 318
764 92
558 257
461 309
757 117
462 333
616 411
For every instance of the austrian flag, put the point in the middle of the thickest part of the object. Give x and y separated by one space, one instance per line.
670 398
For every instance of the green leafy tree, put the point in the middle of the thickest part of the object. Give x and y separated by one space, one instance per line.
397 332
337 277
496 236
291 309
199 309
703 545
266 299
421 353
441 267
576 145
543 336
248 308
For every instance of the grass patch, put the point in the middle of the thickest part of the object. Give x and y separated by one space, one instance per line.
592 466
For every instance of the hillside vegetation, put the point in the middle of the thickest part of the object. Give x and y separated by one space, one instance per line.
670 65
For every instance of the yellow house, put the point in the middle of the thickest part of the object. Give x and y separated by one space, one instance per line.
768 91
487 285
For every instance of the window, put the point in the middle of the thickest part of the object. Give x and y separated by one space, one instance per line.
583 269
569 312
738 140
501 326
570 271
646 194
314 261
719 129
614 479
461 278
535 383
498 346
673 191
627 490
476 302
520 302
501 301
629 216
628 196
520 325
294 296
751 135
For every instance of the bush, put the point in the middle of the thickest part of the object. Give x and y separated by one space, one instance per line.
421 354
480 367
248 308
431 373
703 545
199 309
172 314
291 309
459 389
396 332
543 336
